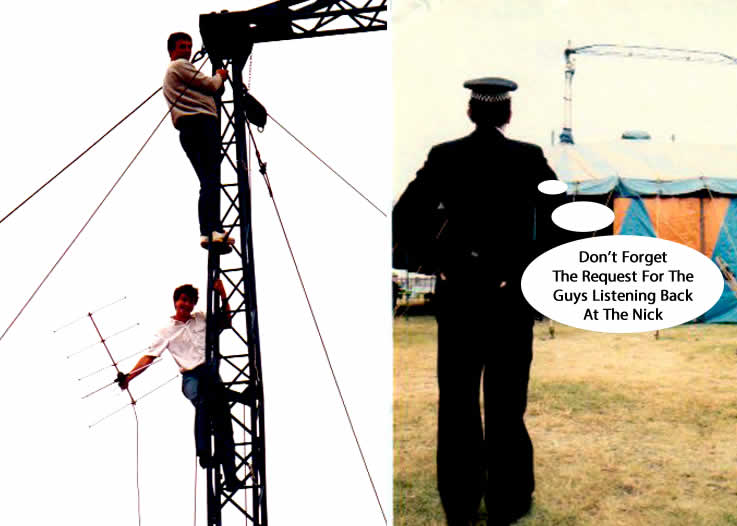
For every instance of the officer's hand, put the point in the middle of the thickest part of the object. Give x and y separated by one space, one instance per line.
122 381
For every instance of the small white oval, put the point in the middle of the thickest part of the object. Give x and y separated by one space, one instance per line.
552 187
582 216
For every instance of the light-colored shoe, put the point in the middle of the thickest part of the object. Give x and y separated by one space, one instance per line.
222 237
221 240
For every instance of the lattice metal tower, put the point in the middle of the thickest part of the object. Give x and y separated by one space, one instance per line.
229 39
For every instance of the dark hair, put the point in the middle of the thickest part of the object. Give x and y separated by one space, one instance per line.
187 289
171 43
490 113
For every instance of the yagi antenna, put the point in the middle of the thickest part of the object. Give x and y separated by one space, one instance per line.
86 315
114 364
93 373
133 404
103 340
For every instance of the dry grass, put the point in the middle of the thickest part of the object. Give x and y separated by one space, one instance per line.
628 430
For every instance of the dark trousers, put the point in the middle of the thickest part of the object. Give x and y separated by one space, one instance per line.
203 387
484 338
200 138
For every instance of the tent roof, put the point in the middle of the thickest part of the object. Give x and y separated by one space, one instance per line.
645 167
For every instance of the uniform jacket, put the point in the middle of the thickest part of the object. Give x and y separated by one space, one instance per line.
475 207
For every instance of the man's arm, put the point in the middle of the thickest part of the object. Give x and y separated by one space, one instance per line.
142 364
193 79
227 315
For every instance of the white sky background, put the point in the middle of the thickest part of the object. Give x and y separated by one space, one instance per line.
71 71
438 44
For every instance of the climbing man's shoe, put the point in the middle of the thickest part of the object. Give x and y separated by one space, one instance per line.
220 242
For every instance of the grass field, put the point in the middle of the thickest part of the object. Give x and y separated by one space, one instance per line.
627 429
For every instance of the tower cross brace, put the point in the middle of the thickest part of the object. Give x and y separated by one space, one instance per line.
229 39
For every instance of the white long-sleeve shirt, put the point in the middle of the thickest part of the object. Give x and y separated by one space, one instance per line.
189 92
185 341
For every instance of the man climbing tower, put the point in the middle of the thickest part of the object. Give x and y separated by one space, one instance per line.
184 337
194 113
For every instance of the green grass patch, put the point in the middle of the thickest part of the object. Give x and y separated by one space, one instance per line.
628 429
577 397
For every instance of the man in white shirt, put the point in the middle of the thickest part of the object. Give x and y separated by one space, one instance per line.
194 113
184 337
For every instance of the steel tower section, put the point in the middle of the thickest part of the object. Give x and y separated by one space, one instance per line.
229 39
566 134
239 361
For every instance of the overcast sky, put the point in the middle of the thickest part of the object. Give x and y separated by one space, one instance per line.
438 44
72 70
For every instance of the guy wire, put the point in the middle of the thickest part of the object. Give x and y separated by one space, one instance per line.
317 327
80 155
115 184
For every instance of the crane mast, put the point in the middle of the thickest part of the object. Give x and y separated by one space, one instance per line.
229 38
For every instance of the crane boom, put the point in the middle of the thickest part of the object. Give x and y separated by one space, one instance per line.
232 34
626 51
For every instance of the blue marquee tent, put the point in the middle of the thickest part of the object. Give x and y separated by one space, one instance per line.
682 193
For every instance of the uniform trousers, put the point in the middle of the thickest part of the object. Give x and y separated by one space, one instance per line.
484 338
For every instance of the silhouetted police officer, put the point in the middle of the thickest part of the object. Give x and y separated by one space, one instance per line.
475 218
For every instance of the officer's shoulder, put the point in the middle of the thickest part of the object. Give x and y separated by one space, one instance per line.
451 146
524 146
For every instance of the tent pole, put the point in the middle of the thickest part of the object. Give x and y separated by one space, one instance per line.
701 225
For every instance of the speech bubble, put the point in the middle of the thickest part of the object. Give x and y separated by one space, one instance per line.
552 187
582 216
622 284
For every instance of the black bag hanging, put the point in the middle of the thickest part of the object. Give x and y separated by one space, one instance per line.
255 112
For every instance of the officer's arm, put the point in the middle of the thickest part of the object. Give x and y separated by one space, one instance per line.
548 235
412 217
